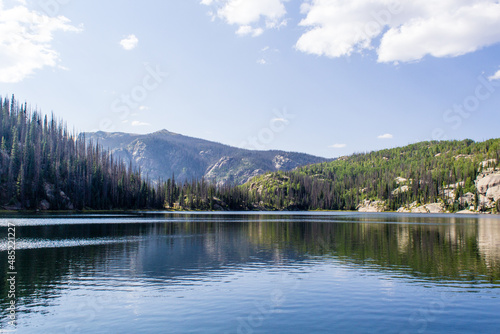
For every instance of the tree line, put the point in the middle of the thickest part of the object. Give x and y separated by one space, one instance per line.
45 166
422 173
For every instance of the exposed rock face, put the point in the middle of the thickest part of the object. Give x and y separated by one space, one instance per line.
163 154
427 208
223 162
450 192
400 180
434 208
489 181
464 156
468 212
372 206
419 209
488 163
484 203
467 198
403 185
488 186
233 171
493 193
401 189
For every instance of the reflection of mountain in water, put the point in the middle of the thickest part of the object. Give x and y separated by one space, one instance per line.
464 249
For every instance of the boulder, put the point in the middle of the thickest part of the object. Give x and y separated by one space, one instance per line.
401 189
493 193
488 182
419 209
408 209
400 180
427 208
434 208
372 206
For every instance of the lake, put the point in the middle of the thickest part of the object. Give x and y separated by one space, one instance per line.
146 272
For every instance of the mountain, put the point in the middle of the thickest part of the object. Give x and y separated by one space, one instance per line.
162 154
44 166
423 177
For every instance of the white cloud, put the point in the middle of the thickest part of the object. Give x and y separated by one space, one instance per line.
261 61
408 31
248 30
251 16
337 146
495 76
26 41
137 123
143 108
385 136
130 42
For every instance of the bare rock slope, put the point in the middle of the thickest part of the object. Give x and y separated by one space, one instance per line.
163 154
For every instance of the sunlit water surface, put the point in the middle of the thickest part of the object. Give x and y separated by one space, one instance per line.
253 273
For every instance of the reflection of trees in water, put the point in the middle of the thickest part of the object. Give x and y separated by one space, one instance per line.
457 249
461 249
163 251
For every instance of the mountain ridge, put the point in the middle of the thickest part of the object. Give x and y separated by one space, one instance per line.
163 154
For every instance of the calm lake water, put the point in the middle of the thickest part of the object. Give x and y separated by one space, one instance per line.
253 273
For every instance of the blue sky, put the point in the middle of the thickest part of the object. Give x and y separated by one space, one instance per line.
325 77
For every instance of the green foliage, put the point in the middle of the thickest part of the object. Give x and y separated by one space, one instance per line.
426 168
43 161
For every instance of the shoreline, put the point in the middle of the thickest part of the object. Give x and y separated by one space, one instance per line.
124 211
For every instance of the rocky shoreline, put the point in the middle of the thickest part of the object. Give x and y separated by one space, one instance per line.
485 200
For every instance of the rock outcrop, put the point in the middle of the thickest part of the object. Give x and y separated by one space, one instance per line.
401 189
427 208
493 193
162 154
486 182
372 206
488 187
467 212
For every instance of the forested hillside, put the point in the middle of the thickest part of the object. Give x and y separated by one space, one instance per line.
45 166
426 172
